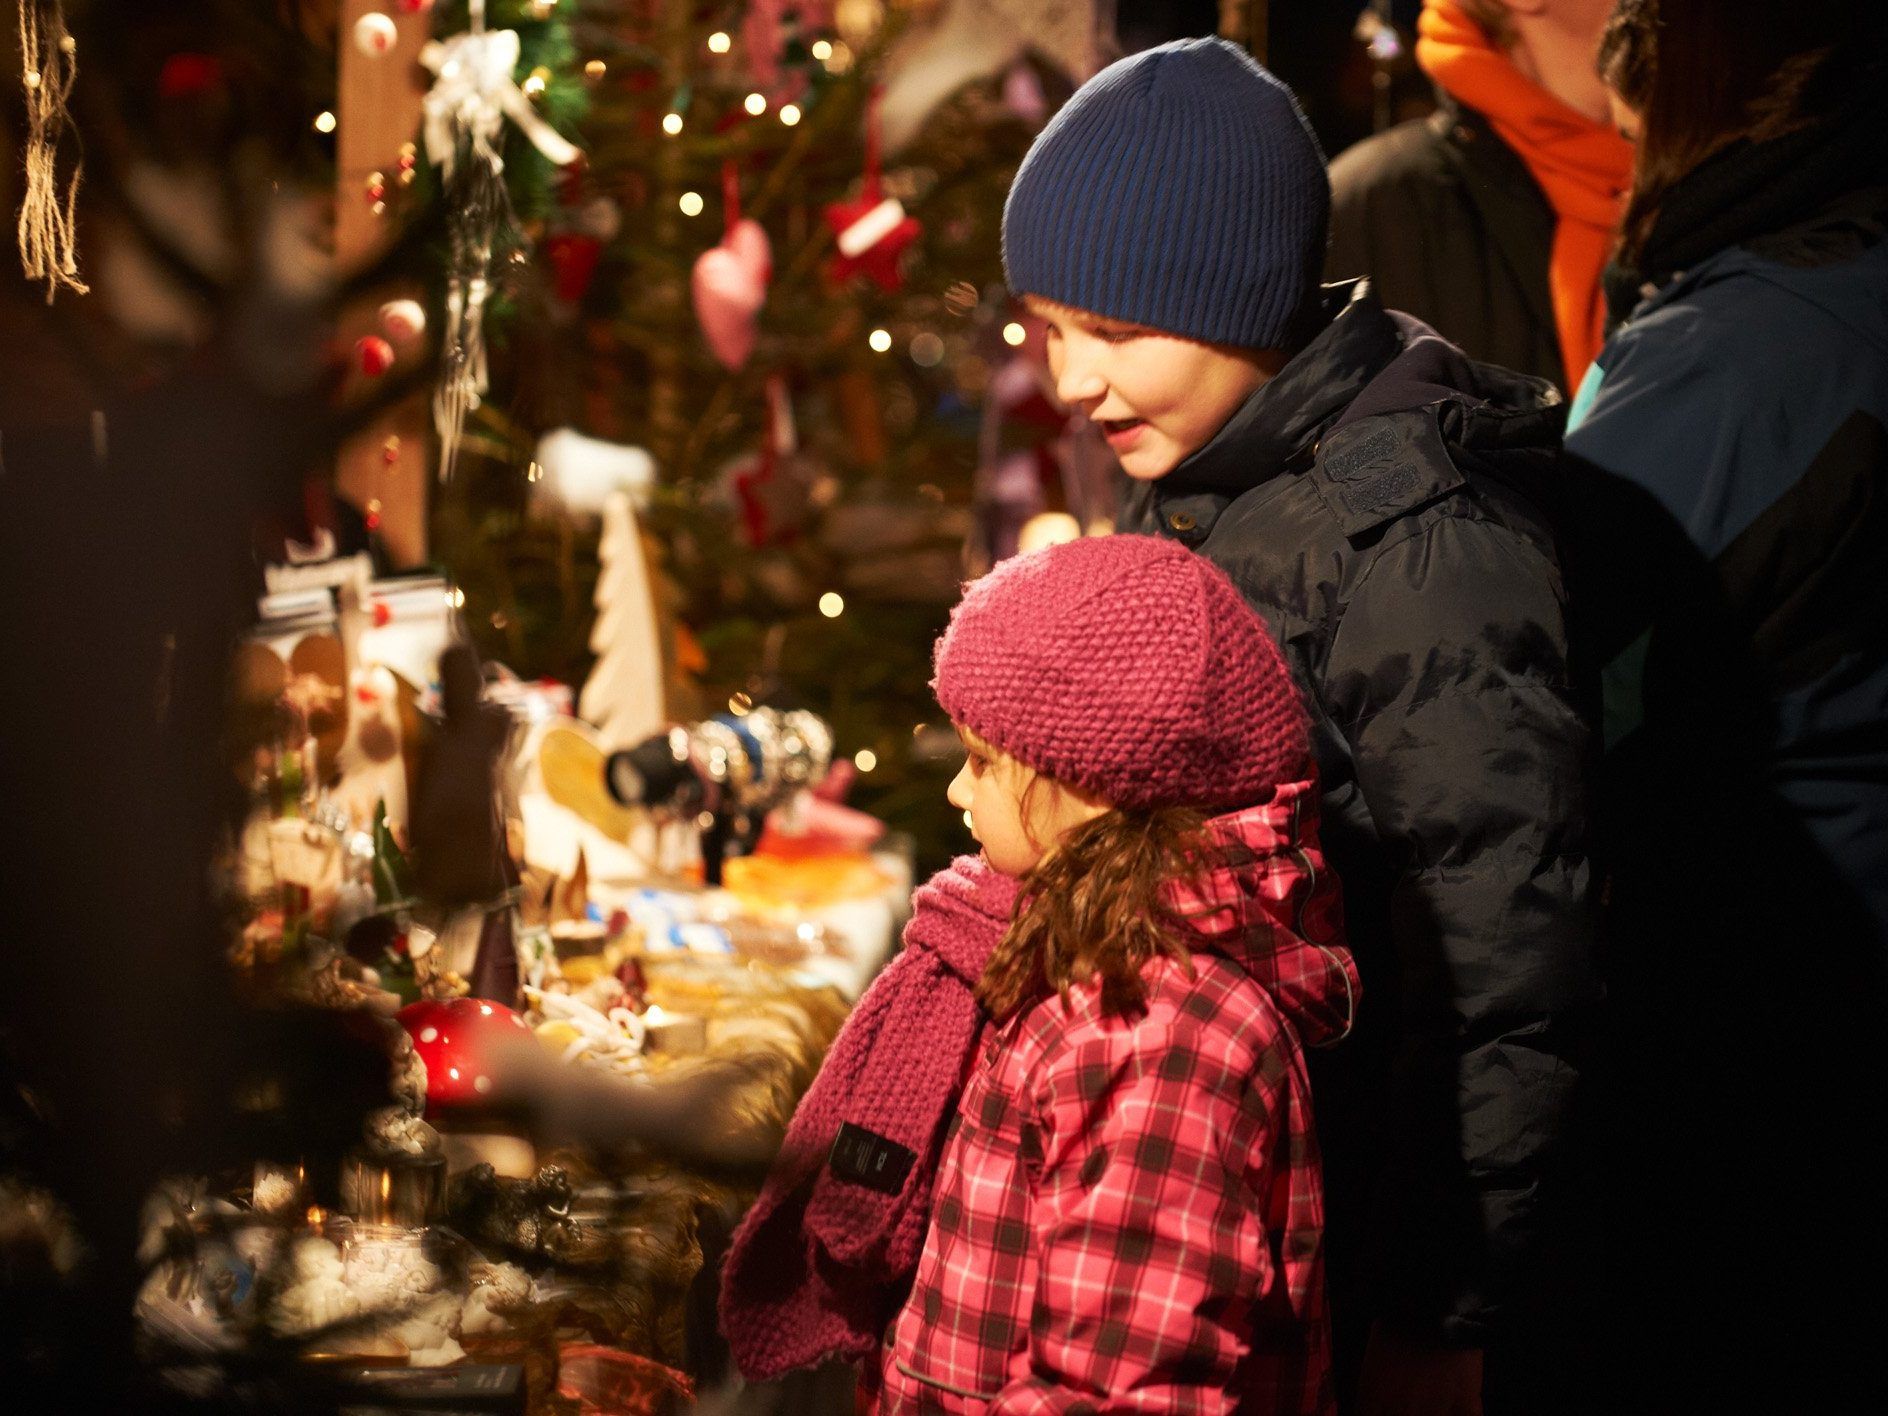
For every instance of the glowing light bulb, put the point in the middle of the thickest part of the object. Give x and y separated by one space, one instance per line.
691 204
790 114
822 50
1013 333
672 124
832 605
880 340
719 43
756 104
324 122
1048 528
865 759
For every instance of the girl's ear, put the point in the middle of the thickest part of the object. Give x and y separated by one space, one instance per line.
1049 809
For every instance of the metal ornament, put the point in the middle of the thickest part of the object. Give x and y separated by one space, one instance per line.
473 96
764 756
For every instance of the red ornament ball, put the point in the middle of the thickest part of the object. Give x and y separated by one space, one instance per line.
373 354
456 1039
187 75
573 259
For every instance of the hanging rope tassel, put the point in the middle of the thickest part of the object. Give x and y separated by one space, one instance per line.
48 223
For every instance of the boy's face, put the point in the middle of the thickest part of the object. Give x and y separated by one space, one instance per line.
1157 398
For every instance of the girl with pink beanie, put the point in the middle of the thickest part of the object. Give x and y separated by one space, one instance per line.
1062 1155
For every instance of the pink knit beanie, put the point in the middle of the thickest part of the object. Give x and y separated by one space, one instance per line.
1129 667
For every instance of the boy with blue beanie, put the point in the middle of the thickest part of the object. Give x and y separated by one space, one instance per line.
1363 483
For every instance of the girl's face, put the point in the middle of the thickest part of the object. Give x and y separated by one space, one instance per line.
1015 825
1157 398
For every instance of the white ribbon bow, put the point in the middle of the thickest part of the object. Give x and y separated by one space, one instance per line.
474 93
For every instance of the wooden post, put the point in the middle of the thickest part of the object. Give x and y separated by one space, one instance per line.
667 298
378 110
1244 22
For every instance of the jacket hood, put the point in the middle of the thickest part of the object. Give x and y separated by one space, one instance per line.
1834 261
1270 905
1365 361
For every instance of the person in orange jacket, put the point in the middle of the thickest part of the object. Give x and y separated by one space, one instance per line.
1492 218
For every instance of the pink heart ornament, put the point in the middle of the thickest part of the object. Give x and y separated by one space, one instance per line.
748 240
729 287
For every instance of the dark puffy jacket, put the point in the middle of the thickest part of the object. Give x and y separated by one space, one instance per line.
1367 503
1449 225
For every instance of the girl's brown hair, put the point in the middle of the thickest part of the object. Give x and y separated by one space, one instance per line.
1093 909
1703 74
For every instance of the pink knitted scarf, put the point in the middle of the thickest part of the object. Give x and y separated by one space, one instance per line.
828 1250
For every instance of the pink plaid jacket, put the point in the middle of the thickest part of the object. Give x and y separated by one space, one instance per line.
1128 1212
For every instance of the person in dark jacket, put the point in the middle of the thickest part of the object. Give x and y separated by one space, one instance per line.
1364 485
1729 454
1492 218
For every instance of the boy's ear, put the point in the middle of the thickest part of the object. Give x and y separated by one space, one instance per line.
1271 361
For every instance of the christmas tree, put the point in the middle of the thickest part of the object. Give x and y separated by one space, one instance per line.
798 322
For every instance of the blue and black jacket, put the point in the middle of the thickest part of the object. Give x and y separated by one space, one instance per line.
1737 426
1728 476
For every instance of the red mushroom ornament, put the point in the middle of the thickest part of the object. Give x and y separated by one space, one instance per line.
456 1039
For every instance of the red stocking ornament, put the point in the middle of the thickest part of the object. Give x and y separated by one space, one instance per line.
873 231
772 491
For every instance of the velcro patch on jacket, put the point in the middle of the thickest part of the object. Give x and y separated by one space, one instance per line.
869 1159
1382 466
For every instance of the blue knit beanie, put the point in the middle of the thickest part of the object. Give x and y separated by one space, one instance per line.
1180 188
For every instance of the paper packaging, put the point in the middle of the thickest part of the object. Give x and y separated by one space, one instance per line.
406 624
